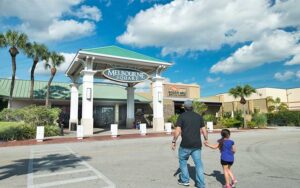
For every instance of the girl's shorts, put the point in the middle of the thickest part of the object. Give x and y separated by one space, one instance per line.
226 162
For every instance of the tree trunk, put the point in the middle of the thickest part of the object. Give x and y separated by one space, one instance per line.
32 77
48 89
12 84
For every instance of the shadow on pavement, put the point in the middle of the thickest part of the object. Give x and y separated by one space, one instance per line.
50 163
218 175
192 172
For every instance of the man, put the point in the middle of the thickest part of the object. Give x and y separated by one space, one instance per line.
189 126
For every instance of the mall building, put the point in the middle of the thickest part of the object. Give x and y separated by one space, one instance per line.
259 100
90 103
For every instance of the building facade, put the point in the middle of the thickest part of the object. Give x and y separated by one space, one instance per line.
259 100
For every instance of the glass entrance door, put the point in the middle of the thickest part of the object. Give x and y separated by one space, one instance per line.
104 116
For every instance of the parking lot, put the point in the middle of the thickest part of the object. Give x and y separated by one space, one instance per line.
265 158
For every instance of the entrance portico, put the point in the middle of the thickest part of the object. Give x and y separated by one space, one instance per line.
120 65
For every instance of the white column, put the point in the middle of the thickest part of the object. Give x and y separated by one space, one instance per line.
130 107
116 113
87 119
74 105
158 107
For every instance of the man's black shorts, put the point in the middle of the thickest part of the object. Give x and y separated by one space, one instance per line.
226 162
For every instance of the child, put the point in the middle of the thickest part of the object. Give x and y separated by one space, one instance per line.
227 149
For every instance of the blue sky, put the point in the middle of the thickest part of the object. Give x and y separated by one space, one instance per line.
216 44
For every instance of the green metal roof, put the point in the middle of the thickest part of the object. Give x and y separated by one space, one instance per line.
61 90
121 52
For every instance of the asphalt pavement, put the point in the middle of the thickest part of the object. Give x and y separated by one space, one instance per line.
264 158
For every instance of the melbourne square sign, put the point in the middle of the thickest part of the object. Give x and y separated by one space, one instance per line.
125 75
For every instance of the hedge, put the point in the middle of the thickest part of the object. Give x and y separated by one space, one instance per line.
23 131
29 117
32 115
284 118
230 122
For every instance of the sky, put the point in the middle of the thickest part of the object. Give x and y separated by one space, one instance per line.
216 44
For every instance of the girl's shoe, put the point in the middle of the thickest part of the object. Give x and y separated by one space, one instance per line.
227 186
234 182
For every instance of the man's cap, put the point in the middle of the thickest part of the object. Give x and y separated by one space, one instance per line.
188 104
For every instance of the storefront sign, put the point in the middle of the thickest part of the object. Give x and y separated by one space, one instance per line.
176 92
125 75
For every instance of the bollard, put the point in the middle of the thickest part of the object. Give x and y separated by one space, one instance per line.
114 130
79 132
210 126
168 128
143 129
40 130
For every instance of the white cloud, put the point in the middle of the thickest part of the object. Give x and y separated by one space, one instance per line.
182 26
61 29
289 12
40 69
295 60
45 20
287 75
92 13
143 86
211 80
271 47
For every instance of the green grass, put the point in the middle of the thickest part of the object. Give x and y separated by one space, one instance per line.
6 125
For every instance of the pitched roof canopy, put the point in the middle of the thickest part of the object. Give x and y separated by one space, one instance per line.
113 56
61 91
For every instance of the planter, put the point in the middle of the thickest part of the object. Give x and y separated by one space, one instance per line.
40 133
168 128
79 132
210 126
114 130
143 129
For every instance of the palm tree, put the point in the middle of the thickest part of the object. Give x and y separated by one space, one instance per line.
36 52
54 61
199 107
276 105
242 92
15 41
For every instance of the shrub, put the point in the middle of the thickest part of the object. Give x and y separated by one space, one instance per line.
209 117
9 115
260 120
284 118
33 115
19 132
23 131
251 124
230 122
173 119
40 115
227 115
51 130
238 115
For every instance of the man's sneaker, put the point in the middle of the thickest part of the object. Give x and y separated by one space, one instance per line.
180 182
233 184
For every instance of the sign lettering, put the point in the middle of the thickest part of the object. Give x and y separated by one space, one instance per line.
125 75
176 92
